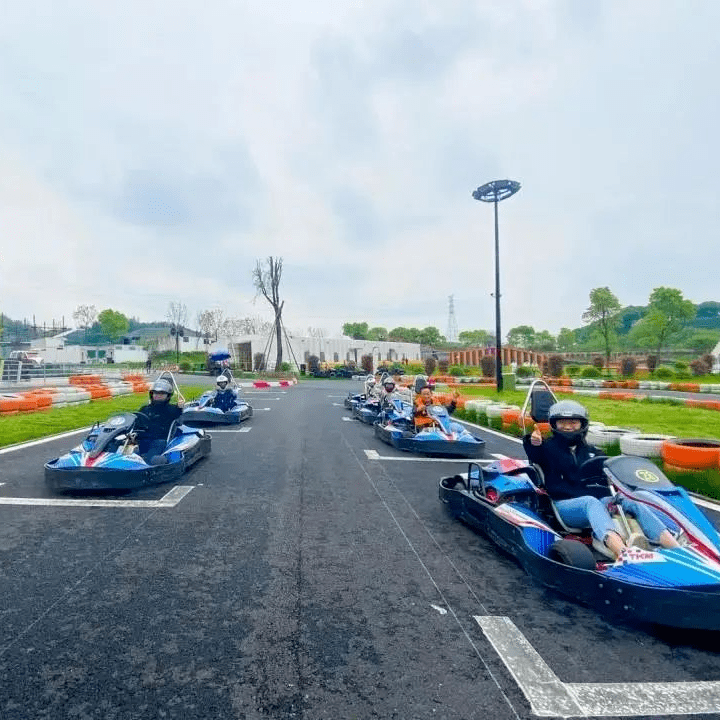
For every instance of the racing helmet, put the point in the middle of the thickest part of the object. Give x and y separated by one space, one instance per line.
569 410
389 383
222 383
161 385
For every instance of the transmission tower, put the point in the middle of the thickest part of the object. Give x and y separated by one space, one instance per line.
452 330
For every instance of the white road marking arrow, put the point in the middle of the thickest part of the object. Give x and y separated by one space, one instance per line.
550 697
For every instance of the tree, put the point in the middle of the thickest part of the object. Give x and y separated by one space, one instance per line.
667 314
566 340
479 338
85 316
543 341
400 334
210 322
267 282
431 336
521 336
703 341
357 331
113 323
177 314
603 311
377 333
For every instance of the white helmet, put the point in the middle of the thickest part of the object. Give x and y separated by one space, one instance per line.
222 383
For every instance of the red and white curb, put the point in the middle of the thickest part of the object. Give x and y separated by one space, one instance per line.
268 383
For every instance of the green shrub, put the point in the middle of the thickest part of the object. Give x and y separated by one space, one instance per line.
414 368
481 417
598 361
664 373
430 365
628 366
524 371
589 372
456 370
651 361
572 370
495 423
487 365
555 365
470 415
185 366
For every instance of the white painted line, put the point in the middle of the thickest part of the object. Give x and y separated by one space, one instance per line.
441 610
338 404
347 419
32 443
170 499
374 455
256 409
550 697
244 428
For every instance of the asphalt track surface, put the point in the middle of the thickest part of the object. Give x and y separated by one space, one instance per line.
294 576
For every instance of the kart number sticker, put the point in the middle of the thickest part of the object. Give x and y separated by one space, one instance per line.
647 476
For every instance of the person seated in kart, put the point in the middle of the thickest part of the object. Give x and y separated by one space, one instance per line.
160 413
386 393
225 397
578 504
423 401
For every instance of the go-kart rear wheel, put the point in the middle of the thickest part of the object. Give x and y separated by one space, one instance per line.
573 553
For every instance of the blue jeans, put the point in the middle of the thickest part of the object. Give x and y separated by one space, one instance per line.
587 511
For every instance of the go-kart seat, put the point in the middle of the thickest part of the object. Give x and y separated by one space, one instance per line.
541 400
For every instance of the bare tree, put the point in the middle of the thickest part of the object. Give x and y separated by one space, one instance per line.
267 283
85 315
177 314
211 322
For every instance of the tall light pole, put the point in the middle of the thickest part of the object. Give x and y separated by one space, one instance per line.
495 192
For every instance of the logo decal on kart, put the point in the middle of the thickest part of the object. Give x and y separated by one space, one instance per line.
647 476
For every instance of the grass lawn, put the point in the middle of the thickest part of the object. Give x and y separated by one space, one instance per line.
31 426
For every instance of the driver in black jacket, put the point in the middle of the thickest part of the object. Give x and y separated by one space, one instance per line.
578 504
160 416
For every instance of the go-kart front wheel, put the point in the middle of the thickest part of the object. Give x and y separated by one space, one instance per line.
573 553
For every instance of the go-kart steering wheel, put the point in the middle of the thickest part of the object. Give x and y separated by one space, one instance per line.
145 421
591 471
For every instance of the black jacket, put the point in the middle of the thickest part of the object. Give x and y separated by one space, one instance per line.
161 417
224 400
560 466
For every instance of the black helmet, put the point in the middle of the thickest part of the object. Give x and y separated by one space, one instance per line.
569 410
161 385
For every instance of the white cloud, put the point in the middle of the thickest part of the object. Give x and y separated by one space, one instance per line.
154 152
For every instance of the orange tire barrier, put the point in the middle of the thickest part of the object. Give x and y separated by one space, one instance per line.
9 404
691 453
511 417
84 379
27 404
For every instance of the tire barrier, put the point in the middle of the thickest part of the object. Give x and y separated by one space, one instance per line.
602 437
648 446
691 453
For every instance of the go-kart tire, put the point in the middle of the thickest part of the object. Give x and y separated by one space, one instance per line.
573 553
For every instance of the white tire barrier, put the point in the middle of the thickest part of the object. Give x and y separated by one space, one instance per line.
602 437
640 445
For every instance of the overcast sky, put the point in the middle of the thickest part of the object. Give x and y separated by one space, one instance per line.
151 151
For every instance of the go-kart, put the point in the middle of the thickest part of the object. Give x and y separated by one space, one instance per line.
201 412
443 438
108 458
678 587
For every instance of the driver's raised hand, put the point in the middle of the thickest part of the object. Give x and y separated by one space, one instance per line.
536 437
